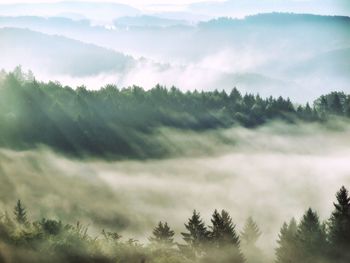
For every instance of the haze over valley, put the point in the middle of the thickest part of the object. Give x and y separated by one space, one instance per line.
187 131
270 54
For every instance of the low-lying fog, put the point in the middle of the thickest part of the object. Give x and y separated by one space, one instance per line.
270 54
272 173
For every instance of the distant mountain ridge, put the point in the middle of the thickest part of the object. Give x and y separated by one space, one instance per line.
148 21
58 54
275 53
70 9
278 19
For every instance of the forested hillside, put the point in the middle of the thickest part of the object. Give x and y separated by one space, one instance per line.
308 240
121 122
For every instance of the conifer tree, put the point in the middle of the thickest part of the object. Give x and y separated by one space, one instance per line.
197 236
223 230
285 253
162 235
250 233
339 227
311 239
336 105
20 213
224 239
249 237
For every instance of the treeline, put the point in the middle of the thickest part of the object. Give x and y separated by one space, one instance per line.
123 122
307 241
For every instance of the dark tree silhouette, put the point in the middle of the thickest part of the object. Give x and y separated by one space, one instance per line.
111 122
339 227
336 105
162 235
303 242
311 239
20 213
197 236
287 243
224 240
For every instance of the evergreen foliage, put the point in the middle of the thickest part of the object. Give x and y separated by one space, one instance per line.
163 235
250 233
225 243
123 123
196 238
339 227
20 213
48 240
311 239
287 243
249 237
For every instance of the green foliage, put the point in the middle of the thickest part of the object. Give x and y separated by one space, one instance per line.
123 123
20 213
339 227
311 239
251 232
249 238
223 230
51 227
225 243
287 243
49 240
162 235
197 237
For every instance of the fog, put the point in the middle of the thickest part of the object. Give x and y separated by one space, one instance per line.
270 54
192 10
271 173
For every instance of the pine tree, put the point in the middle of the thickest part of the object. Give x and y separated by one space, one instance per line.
311 239
336 104
235 95
339 227
224 239
197 236
20 213
250 233
163 235
308 113
285 253
223 230
249 237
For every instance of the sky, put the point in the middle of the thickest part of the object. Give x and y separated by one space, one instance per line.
133 2
331 7
129 2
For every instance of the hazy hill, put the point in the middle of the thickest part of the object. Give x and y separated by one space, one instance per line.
56 54
148 21
77 10
248 7
301 52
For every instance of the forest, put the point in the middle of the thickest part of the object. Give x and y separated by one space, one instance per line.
123 123
50 240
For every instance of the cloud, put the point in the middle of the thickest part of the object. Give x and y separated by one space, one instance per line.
240 8
271 173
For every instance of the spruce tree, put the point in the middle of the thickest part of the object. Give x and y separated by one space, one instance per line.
339 227
20 213
311 239
223 230
224 239
287 243
249 237
197 236
250 233
336 106
162 235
